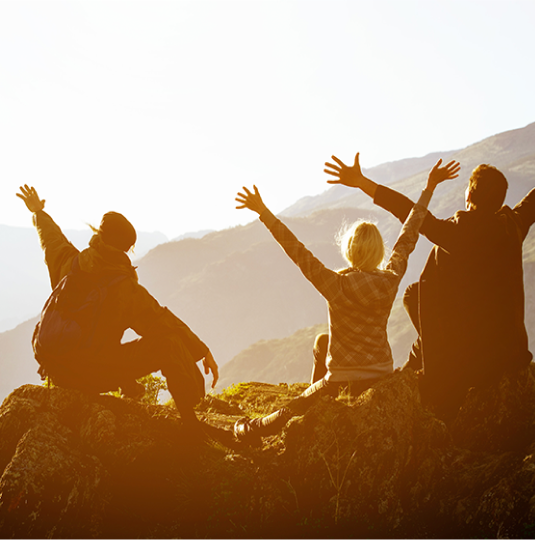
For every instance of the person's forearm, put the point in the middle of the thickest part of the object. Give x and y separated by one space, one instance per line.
368 186
393 202
408 236
425 197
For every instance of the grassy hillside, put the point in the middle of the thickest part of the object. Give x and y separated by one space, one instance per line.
282 360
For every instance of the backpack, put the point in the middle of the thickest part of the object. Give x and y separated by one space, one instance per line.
70 315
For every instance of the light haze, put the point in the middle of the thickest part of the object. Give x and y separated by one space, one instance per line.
162 110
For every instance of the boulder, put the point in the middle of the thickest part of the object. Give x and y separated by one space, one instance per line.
378 465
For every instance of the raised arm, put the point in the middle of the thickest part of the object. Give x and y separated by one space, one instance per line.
59 252
440 232
408 237
323 279
525 213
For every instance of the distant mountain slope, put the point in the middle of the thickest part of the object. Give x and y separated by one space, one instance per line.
17 364
386 173
192 235
289 360
513 152
237 287
281 360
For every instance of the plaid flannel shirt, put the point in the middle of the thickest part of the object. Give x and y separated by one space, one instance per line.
359 303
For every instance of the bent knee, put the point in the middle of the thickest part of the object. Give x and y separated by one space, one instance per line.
321 345
411 294
322 341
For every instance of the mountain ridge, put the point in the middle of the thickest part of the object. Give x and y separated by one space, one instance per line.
511 151
236 287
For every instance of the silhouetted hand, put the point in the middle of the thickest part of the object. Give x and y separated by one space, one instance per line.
29 196
440 174
251 201
348 176
211 366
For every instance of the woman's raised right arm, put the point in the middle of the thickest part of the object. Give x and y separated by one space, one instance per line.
325 280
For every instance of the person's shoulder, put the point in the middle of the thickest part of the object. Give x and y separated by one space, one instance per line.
462 216
472 218
507 211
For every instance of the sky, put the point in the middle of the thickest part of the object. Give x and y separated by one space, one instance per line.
163 110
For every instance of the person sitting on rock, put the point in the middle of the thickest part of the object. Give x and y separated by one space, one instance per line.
359 300
104 363
468 306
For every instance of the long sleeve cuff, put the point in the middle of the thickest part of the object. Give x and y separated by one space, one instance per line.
36 216
425 198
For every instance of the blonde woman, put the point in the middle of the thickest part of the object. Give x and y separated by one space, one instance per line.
359 300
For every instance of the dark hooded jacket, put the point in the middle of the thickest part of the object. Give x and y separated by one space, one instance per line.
128 304
471 293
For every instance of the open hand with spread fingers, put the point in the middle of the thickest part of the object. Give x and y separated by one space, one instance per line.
250 200
347 175
440 174
29 195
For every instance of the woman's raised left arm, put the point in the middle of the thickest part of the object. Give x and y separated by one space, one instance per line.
410 231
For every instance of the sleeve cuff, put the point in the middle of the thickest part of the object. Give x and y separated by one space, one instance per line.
36 215
425 197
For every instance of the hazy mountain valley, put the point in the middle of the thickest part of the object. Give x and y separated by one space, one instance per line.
239 292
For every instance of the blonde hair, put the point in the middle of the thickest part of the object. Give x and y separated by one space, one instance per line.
362 246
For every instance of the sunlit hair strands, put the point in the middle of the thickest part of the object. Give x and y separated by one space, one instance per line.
362 246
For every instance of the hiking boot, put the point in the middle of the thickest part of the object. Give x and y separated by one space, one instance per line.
245 433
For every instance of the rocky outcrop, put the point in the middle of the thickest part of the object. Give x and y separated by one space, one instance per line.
378 465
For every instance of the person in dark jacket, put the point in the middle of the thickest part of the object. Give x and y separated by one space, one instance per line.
166 343
468 306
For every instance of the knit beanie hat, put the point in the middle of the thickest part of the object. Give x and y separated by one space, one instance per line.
117 231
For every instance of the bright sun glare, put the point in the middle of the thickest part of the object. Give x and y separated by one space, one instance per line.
163 110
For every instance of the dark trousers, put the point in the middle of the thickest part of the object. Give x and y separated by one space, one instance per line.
120 365
411 302
273 423
442 393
